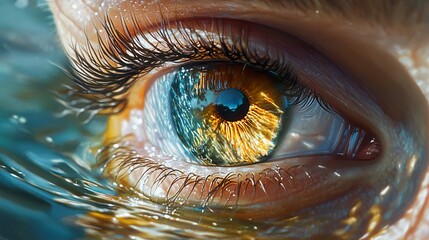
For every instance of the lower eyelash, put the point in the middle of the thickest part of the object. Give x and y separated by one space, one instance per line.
103 76
231 186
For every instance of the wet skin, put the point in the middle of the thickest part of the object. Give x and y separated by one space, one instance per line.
384 47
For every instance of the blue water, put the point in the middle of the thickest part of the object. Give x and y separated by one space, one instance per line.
44 184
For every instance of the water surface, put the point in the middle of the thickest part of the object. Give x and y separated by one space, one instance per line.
44 182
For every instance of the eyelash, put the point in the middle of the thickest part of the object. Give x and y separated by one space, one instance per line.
104 76
236 184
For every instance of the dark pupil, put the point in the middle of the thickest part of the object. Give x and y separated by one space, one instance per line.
232 105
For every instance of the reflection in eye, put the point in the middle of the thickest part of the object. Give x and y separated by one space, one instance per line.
221 118
294 183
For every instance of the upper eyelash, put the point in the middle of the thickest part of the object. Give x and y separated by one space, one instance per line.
104 75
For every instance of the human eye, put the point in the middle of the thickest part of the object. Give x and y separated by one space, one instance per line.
322 137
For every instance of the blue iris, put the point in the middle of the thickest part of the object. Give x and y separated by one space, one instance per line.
187 104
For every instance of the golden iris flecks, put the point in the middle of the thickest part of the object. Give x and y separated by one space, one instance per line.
226 114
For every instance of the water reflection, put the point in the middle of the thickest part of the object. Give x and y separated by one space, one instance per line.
43 182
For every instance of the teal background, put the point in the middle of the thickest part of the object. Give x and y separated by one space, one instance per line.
42 184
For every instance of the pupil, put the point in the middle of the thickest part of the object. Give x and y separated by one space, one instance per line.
232 105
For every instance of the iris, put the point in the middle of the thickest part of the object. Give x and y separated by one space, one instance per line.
226 114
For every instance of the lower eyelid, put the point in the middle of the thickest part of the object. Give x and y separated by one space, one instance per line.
174 182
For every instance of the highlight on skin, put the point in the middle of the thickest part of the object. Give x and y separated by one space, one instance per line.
342 183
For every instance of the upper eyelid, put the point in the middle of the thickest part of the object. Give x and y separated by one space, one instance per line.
117 105
105 74
105 100
108 70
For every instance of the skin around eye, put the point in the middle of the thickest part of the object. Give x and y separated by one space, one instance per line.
401 130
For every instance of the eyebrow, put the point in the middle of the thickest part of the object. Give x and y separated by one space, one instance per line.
388 13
